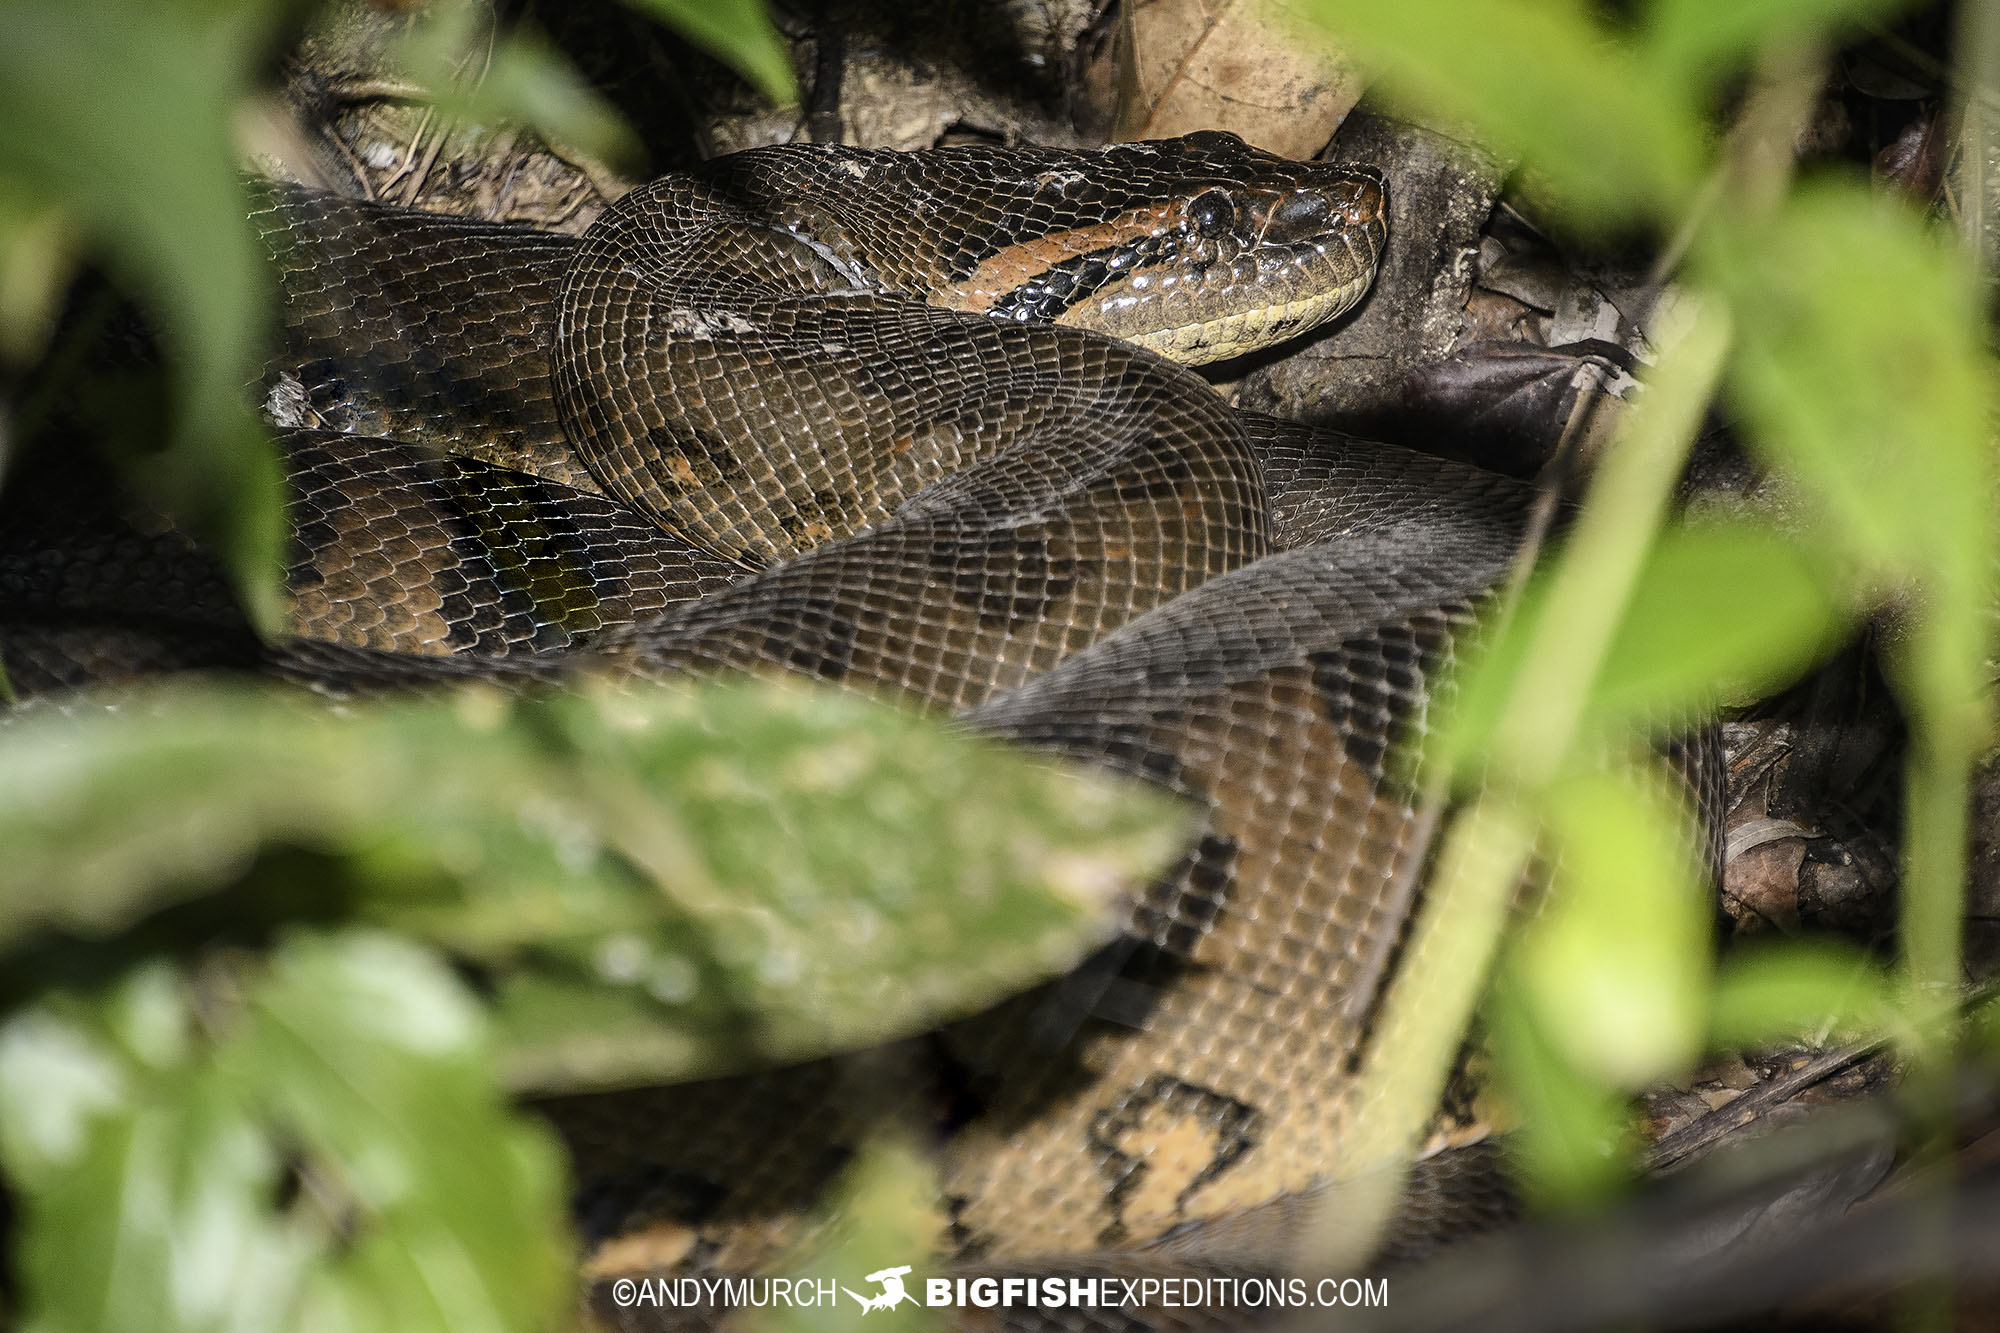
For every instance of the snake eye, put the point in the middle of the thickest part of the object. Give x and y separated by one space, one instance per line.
1211 213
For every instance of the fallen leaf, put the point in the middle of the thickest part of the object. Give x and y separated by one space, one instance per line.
1255 67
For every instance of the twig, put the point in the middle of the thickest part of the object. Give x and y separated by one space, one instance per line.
414 190
410 154
350 161
1710 1129
822 118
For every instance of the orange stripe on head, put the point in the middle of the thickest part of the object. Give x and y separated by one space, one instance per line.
1006 270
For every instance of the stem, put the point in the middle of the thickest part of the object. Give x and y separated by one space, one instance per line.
1607 547
1936 801
1936 826
1485 854
1424 1017
1976 87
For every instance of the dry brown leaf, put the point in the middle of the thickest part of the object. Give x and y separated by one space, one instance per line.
1257 67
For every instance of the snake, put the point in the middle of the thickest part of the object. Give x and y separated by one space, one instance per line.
922 425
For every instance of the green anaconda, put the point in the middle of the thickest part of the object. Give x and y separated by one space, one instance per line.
907 423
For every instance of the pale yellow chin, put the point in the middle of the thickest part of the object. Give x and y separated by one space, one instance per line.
1235 334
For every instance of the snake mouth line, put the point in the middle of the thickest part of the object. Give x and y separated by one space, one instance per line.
1234 335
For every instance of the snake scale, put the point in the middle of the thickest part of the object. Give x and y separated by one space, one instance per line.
919 425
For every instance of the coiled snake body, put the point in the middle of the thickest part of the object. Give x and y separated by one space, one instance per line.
906 422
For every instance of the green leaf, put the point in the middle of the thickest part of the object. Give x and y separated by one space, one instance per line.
862 872
374 1058
883 1217
55 1079
739 33
472 74
1701 44
717 877
1799 989
840 931
206 777
600 1025
1572 1136
1618 139
146 1192
1725 610
162 1225
150 1165
1862 374
1721 611
1615 967
123 112
35 267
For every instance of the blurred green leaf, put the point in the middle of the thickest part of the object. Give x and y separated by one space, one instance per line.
883 1216
375 1060
1615 966
150 1164
833 923
530 83
123 112
1721 611
55 1079
712 877
473 74
1572 1135
1861 372
1799 989
1864 373
1701 44
738 32
36 263
162 1223
1618 139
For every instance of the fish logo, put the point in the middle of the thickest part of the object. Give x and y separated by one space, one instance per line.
892 1294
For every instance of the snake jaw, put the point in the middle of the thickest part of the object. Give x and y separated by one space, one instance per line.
1205 341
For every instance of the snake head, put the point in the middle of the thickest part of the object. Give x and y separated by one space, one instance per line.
1200 248
1275 248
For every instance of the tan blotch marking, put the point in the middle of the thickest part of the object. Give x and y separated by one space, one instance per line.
1176 1148
656 1249
1261 1016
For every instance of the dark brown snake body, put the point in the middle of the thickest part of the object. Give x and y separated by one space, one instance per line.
832 379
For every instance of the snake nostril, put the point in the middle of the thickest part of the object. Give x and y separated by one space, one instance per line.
1360 202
